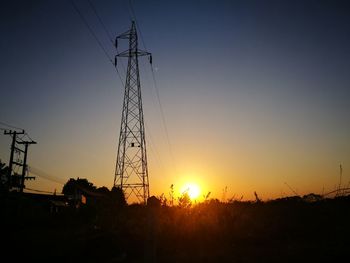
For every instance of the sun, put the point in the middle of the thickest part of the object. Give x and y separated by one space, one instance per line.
192 189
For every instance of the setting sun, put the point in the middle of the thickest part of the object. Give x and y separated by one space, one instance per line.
192 189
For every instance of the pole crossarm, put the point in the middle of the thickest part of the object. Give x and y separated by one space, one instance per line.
10 132
27 142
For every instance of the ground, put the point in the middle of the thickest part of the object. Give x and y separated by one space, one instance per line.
288 230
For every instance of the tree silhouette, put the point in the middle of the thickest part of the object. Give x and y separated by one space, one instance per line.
118 196
102 190
80 184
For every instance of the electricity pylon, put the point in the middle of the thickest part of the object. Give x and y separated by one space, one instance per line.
131 173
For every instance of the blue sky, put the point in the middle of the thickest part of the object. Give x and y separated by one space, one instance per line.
254 93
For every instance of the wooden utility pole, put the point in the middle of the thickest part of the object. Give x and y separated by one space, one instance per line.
12 180
24 165
13 147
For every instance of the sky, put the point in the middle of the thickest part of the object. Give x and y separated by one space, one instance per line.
255 94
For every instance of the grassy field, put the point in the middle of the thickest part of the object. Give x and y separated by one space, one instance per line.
285 230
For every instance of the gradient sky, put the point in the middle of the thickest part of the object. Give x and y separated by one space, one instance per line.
255 94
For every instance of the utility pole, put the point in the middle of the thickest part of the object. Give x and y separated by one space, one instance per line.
15 180
13 147
24 165
131 173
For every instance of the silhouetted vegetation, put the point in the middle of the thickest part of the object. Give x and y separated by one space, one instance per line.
79 184
105 229
185 201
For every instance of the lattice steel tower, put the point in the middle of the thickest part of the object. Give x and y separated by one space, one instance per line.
131 173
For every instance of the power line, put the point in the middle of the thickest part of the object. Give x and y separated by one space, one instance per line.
10 126
25 135
95 37
28 136
291 189
43 174
153 147
106 31
155 85
108 35
39 191
101 22
16 128
90 29
162 115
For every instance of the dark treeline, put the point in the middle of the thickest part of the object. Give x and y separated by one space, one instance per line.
283 230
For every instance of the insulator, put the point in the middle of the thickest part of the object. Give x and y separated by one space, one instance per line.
150 59
116 42
115 61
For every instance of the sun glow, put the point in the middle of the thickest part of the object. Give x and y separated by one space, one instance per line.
192 189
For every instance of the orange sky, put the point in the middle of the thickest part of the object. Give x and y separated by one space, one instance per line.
254 94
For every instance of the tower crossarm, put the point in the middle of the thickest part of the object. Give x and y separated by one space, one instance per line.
138 52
